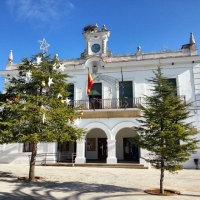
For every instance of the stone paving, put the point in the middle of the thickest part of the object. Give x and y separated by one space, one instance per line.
84 183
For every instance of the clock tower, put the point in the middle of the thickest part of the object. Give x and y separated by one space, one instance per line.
96 41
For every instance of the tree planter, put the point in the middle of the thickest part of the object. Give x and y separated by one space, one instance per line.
26 178
167 192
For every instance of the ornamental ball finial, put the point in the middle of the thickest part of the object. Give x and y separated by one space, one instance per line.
10 57
139 48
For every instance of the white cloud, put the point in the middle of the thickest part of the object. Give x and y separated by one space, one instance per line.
41 10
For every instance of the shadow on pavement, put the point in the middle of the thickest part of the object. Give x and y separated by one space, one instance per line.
6 174
48 189
31 190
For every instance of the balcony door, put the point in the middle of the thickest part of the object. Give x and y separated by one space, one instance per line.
95 97
126 100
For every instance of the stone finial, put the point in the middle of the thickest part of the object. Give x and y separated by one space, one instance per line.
104 28
192 40
10 57
139 48
139 53
96 27
56 57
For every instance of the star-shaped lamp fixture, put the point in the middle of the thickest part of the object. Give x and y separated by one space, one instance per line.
77 122
50 81
67 101
62 67
43 45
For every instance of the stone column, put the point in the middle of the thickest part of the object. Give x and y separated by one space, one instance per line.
80 152
111 159
144 154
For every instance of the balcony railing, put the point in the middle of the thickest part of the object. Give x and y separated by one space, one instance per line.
116 103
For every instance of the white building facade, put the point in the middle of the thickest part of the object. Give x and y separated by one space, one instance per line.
107 114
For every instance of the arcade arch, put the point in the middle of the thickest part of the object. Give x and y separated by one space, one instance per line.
125 150
99 125
96 145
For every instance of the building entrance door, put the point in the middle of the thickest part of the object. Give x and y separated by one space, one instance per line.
131 152
102 148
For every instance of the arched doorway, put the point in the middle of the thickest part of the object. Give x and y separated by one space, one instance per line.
96 146
125 150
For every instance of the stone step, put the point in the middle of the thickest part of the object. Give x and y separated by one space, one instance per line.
134 166
102 165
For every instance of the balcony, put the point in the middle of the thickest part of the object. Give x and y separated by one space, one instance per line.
96 103
109 108
112 108
116 103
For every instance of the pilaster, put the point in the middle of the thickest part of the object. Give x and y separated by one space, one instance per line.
80 152
111 159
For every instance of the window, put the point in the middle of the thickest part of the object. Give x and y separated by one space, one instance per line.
27 147
63 146
70 89
172 82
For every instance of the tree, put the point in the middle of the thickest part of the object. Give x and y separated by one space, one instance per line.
5 125
163 128
36 108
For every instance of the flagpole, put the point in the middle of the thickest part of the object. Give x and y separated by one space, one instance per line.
122 83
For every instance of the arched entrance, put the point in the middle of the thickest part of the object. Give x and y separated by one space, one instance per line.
96 146
125 150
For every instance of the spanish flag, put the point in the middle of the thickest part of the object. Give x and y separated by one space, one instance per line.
90 82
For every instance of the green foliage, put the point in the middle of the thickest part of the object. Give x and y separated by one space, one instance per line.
21 119
163 124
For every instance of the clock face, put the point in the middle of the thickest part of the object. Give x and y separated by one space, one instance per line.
95 48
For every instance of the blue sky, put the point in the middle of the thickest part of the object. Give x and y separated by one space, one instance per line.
149 24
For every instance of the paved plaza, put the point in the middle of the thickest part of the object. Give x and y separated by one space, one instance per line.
84 183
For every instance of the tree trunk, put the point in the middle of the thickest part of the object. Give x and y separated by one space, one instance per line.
162 176
32 163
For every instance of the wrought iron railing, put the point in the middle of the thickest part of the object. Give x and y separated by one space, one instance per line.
96 103
116 103
46 158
